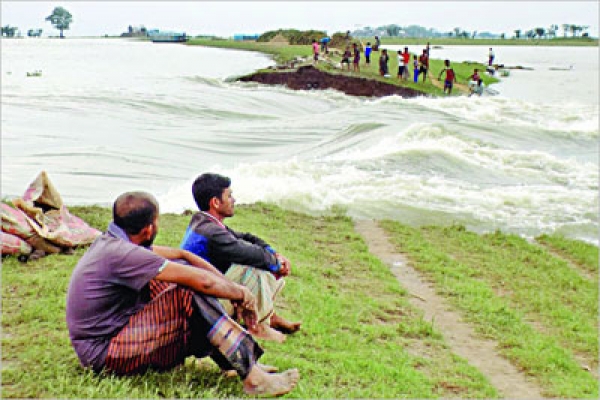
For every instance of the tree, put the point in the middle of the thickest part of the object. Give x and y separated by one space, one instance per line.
61 19
9 31
34 32
565 29
518 33
575 28
540 32
552 30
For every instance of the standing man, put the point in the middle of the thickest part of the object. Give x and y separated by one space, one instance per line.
130 309
383 64
424 64
406 56
242 257
377 44
491 56
325 44
356 59
450 77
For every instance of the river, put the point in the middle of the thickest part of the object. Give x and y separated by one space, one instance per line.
110 115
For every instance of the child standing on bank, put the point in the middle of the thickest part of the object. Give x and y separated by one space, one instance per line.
368 53
415 69
346 58
315 47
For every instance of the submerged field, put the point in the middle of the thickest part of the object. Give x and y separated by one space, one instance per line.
361 336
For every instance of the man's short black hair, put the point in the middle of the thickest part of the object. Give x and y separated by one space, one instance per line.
133 211
207 186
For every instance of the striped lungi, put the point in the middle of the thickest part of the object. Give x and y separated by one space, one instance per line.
175 324
261 283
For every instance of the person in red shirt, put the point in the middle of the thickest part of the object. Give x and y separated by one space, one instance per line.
450 76
406 56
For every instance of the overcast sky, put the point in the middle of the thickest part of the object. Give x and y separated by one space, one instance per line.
225 18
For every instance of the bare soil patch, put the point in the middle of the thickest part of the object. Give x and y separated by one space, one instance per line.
310 78
460 336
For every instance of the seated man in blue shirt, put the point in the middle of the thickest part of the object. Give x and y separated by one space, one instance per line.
130 308
242 257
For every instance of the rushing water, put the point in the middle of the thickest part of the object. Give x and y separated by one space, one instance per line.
108 116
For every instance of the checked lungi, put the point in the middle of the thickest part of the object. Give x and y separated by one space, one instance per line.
262 284
175 324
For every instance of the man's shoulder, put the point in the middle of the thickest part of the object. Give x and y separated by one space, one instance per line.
110 247
204 225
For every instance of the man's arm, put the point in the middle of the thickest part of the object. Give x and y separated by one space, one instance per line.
226 245
248 237
171 253
205 282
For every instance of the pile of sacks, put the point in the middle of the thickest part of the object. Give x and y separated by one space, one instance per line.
40 224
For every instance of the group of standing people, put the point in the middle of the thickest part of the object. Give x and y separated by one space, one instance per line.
419 64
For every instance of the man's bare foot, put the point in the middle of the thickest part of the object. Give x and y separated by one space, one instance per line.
284 325
232 373
258 382
263 331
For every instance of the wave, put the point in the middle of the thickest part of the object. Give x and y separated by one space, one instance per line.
566 119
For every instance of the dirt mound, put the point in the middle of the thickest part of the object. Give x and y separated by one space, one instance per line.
308 77
279 38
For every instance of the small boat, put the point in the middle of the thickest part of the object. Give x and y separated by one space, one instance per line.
167 37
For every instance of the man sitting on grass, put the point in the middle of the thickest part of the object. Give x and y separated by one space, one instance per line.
242 257
129 308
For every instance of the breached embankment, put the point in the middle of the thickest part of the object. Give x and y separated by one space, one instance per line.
309 77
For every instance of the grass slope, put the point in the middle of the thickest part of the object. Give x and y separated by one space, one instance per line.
360 336
542 313
583 255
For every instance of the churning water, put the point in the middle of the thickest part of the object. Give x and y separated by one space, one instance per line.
110 115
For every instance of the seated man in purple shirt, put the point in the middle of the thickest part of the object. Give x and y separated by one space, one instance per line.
129 308
242 257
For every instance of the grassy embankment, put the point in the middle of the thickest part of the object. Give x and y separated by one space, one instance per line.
541 310
283 53
360 336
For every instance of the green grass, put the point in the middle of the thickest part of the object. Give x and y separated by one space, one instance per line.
283 53
540 311
360 336
583 255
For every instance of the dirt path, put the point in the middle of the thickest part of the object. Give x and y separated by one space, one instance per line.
461 337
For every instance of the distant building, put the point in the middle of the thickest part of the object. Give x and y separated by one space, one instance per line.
135 31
